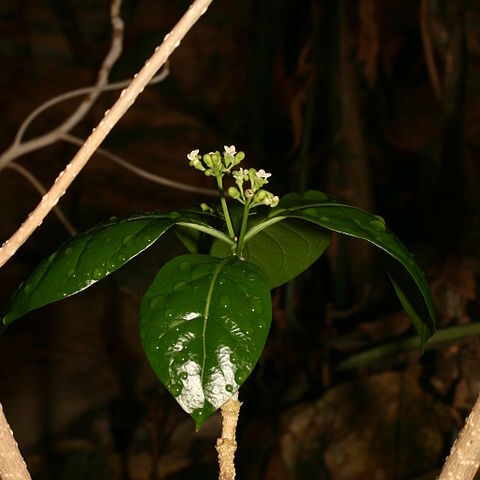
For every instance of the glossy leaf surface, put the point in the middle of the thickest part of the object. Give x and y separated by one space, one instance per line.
317 208
89 257
283 250
203 325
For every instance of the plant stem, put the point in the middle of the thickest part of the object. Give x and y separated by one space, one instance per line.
227 444
464 458
243 230
226 213
262 226
208 230
12 464
380 353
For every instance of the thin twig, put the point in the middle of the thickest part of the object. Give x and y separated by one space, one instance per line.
140 171
464 459
125 101
12 465
72 94
114 53
428 49
227 443
38 186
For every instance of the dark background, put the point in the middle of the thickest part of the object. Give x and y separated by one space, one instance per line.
330 95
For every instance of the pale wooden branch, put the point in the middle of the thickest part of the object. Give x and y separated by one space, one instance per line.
38 186
17 149
12 465
166 182
429 51
227 443
464 459
112 116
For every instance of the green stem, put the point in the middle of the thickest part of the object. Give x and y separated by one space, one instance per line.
262 226
243 230
225 208
376 354
208 230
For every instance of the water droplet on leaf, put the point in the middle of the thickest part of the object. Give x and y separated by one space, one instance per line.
184 375
229 388
180 286
185 266
169 313
99 272
377 225
225 302
128 238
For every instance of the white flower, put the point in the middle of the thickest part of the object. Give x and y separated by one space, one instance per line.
193 155
230 151
263 174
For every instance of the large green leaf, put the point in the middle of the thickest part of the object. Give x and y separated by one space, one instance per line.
283 251
315 207
203 325
89 257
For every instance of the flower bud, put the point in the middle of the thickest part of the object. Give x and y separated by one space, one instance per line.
208 160
260 196
233 192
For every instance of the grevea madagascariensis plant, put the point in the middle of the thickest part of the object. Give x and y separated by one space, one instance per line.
205 319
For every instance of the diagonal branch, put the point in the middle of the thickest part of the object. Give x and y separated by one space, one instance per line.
12 465
464 459
166 182
38 186
124 102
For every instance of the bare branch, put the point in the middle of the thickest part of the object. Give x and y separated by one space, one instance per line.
33 180
124 102
12 464
114 53
428 49
77 93
464 459
141 172
227 443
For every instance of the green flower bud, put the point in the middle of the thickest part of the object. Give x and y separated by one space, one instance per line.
260 196
197 164
207 159
233 192
239 157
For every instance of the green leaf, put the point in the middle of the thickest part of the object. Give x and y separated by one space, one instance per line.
315 207
203 325
283 250
91 256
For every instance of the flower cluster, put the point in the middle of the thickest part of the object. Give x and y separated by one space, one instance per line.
217 165
214 163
